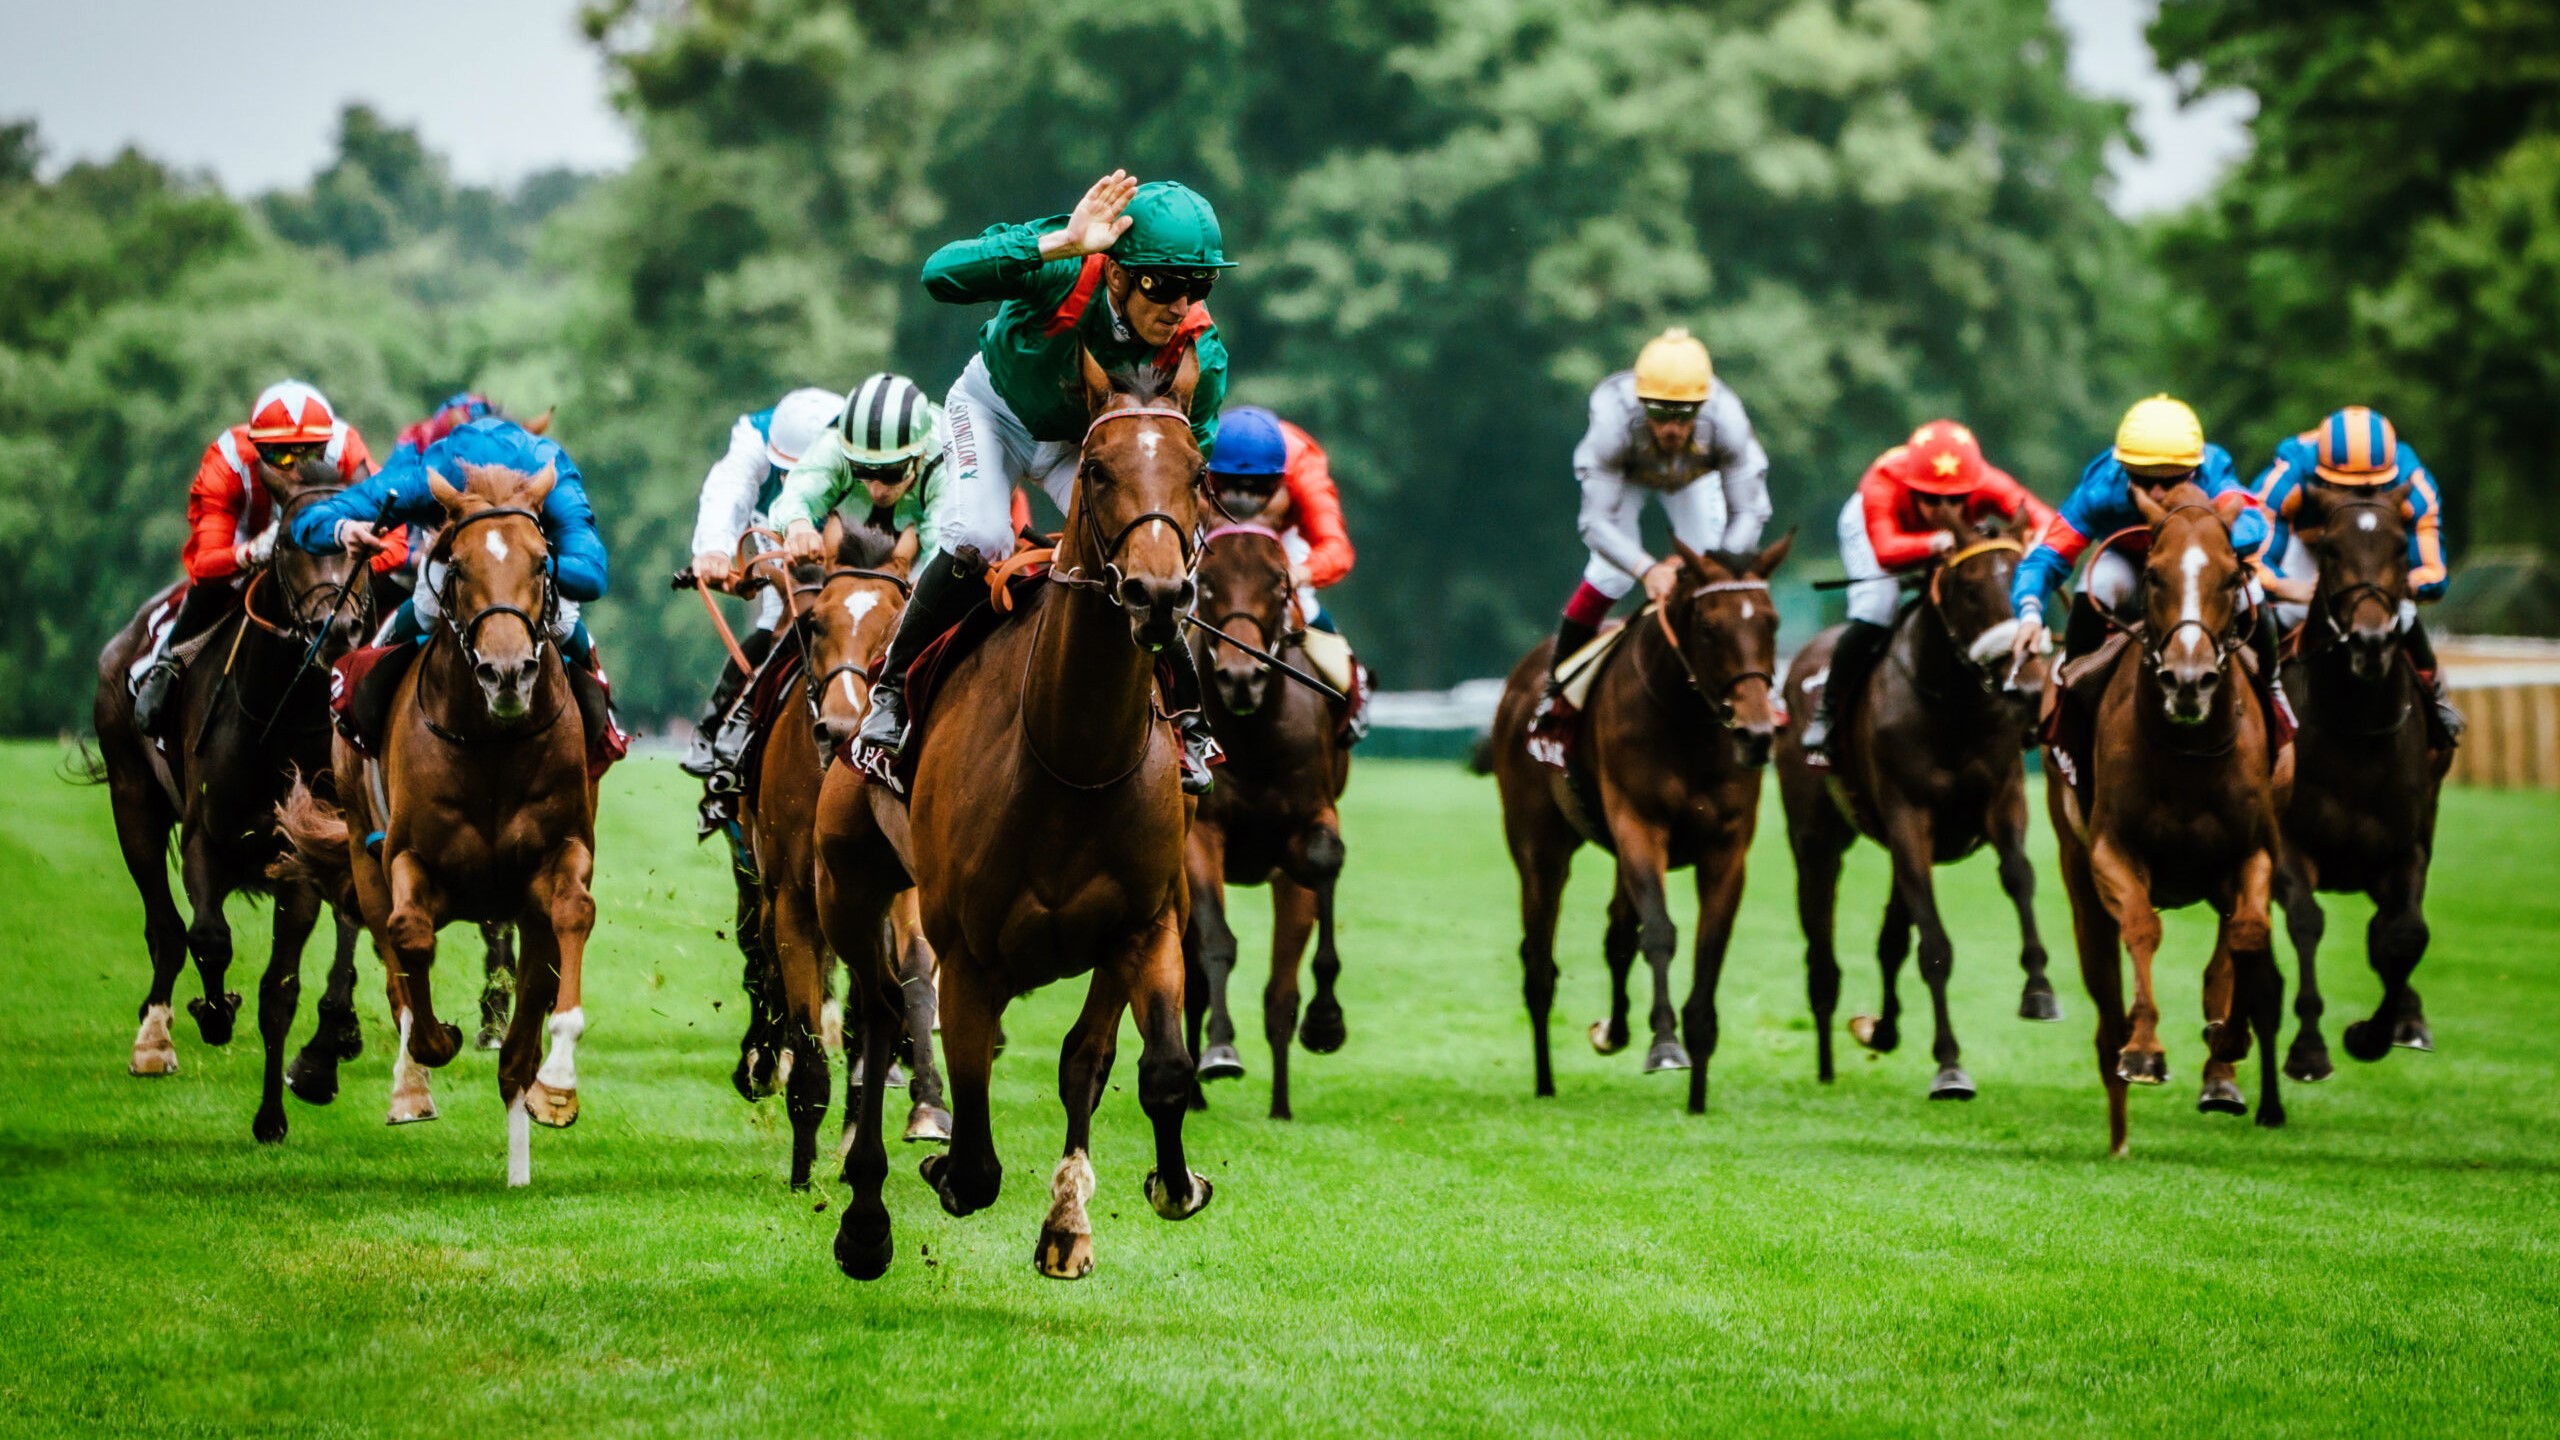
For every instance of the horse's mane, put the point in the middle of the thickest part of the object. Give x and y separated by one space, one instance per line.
865 547
496 484
1143 383
1737 561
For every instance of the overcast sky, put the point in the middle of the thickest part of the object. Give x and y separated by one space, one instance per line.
251 91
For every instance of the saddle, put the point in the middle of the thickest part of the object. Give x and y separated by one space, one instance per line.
1576 789
1013 585
2069 722
365 681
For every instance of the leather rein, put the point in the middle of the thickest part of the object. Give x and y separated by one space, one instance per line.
1720 699
466 634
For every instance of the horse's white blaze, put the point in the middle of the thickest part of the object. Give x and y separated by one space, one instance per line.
1070 1186
1747 610
560 1068
497 544
1147 443
2191 599
1993 643
852 697
519 1144
859 603
2366 521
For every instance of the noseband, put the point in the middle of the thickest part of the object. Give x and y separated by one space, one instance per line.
1719 700
467 633
2155 649
814 683
1109 554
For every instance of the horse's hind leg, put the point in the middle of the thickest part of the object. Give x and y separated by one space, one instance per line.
520 1053
209 939
1293 918
1914 879
1065 1251
795 939
1155 990
142 833
2102 974
1641 861
1542 876
560 897
312 1074
1318 857
1719 898
928 1115
2036 1000
760 1049
497 983
1618 949
279 997
2394 944
1818 859
1882 1032
2305 922
1206 862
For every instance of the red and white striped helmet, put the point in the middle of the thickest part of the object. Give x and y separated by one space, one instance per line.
291 413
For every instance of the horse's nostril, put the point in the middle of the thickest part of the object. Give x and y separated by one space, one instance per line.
1133 593
487 673
1183 597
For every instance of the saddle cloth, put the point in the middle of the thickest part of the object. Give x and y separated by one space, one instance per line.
1331 658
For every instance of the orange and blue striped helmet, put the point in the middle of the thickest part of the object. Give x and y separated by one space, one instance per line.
2357 446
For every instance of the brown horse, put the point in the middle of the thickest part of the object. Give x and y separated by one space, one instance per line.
1927 764
479 808
2365 782
1046 837
1674 737
841 618
1272 816
2182 809
255 705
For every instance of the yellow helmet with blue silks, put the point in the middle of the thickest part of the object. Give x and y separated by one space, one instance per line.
2160 434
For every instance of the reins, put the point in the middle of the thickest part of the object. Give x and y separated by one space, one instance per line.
1108 555
1719 701
466 634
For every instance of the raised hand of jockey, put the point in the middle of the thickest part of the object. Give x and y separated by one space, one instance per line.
1096 223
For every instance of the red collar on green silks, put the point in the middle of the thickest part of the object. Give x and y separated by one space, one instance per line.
1070 314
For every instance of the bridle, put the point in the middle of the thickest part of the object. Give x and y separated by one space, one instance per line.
300 624
1108 554
814 683
1719 699
1292 628
2155 649
466 633
2329 603
1998 545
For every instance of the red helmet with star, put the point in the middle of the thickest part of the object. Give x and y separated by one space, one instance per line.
1942 458
290 413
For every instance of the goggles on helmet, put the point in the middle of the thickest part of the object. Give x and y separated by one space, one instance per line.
1168 287
892 472
288 457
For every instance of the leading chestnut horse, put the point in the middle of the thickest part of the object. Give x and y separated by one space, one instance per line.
2182 809
479 808
1045 836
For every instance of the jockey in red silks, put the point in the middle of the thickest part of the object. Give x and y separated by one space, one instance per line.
1266 471
1899 521
231 521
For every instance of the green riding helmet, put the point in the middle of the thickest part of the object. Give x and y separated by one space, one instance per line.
1172 225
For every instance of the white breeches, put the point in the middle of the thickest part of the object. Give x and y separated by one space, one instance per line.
2112 581
1297 548
988 453
1873 594
1696 513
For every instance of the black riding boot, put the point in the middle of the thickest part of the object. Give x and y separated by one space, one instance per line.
2449 723
1181 672
205 605
704 758
1852 660
951 588
1571 636
2266 646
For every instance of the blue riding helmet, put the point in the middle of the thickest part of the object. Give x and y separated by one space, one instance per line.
1249 443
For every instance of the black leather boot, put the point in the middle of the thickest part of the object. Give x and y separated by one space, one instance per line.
951 588
1852 660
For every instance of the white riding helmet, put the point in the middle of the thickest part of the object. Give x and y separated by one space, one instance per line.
886 420
798 420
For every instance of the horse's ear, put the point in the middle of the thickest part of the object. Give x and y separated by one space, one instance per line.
541 424
2310 511
1693 559
2153 512
446 495
1097 384
833 535
1766 563
902 556
2230 504
538 488
2398 498
1186 378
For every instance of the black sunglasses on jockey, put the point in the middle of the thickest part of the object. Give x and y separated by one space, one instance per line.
1167 287
896 472
287 457
1671 412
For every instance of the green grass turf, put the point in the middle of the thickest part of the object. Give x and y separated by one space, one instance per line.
1426 1250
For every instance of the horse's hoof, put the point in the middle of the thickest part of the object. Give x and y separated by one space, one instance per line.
1221 1062
1600 1041
214 1019
1064 1255
928 1124
490 1037
1952 1084
555 1108
1665 1055
2039 1003
1323 1031
313 1082
154 1062
936 1170
1163 1201
2366 1041
410 1110
2271 1116
436 1045
2221 1097
864 1257
2142 1067
269 1126
2413 1034
2307 1066
1874 1034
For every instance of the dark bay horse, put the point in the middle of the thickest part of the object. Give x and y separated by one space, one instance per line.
1927 763
1271 816
1045 836
479 808
2365 782
254 707
2182 809
1675 734
841 617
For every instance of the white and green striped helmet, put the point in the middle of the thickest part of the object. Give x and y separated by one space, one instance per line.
886 421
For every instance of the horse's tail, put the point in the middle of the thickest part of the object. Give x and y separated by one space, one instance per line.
83 766
315 833
1480 759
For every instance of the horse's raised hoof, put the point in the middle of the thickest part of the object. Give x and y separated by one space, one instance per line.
2038 1002
2142 1067
491 1037
555 1108
2413 1034
2307 1064
435 1046
1604 1041
1221 1062
2221 1097
1874 1034
861 1256
313 1080
154 1053
928 1124
214 1019
2366 1041
269 1126
1952 1084
1323 1030
753 1076
1063 1254
936 1170
1163 1201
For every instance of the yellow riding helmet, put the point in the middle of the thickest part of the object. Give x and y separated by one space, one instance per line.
1673 366
2162 433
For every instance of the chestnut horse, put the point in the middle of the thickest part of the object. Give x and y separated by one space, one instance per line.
1045 836
2182 809
1927 763
841 618
1674 736
1271 816
254 707
479 808
2365 783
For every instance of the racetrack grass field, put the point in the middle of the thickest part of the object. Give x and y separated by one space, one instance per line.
1426 1250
